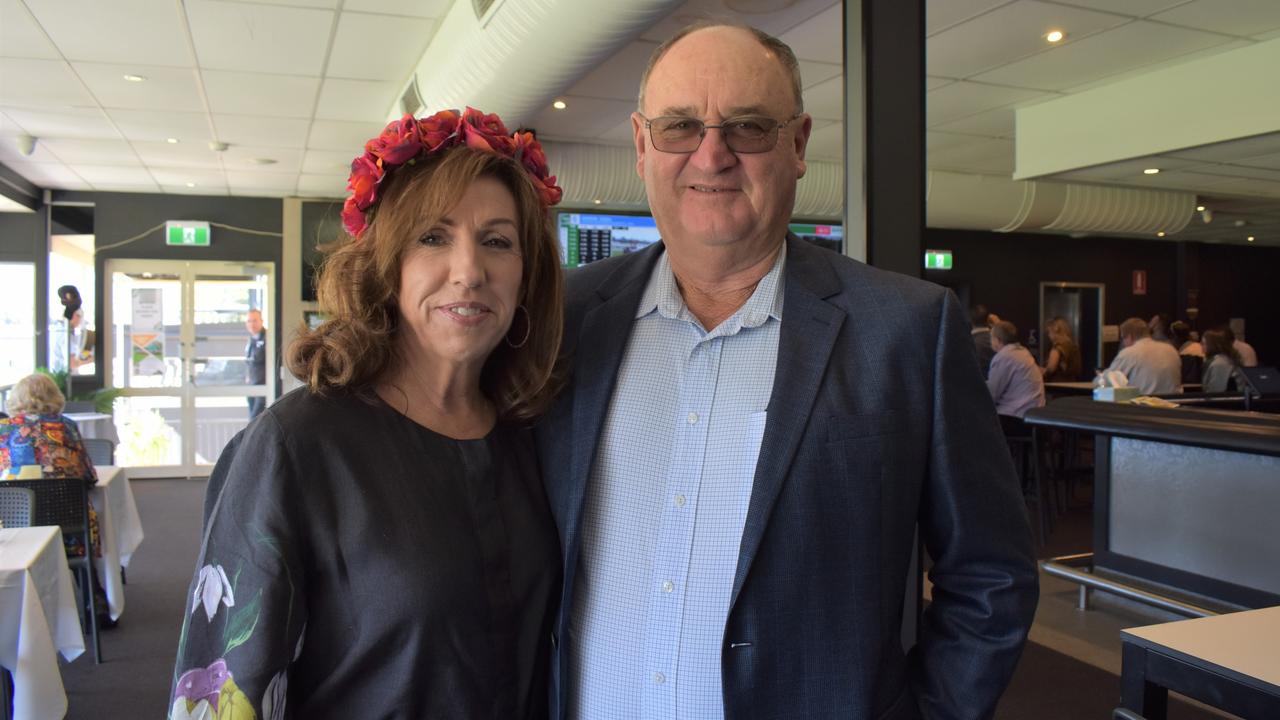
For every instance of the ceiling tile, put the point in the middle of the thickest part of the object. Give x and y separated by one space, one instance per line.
183 155
266 181
942 14
413 8
242 158
1131 46
620 134
40 83
933 83
1176 60
10 156
20 35
789 15
99 175
329 186
820 38
145 32
617 78
327 162
981 155
1010 33
1241 172
812 73
1249 187
87 123
206 179
52 176
165 88
1132 8
345 136
935 140
1264 161
235 93
1268 35
585 118
826 100
238 36
94 152
400 45
963 99
996 123
356 100
208 190
190 128
826 143
261 131
1245 18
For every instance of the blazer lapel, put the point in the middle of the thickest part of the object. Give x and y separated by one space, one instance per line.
810 326
603 337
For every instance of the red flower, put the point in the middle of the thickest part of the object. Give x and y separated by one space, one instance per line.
400 141
549 191
438 129
366 174
528 152
353 218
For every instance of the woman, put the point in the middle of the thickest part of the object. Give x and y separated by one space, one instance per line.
1220 361
1064 362
377 544
37 434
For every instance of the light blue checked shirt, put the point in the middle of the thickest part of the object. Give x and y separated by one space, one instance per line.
666 503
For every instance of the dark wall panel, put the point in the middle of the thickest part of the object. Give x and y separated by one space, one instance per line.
1241 281
24 238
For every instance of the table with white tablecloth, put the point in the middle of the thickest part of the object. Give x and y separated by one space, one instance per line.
121 531
38 618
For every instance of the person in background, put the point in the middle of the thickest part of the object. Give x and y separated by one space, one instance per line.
1248 356
1190 351
754 429
255 355
1016 383
1151 366
1063 364
1159 327
80 340
980 329
377 544
1221 361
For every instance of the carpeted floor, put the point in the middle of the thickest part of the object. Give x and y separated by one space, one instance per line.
134 680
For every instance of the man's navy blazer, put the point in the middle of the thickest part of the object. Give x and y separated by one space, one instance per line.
878 420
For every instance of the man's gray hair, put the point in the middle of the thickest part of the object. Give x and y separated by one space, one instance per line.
1005 331
780 50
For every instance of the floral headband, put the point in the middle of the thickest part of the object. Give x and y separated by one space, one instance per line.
405 140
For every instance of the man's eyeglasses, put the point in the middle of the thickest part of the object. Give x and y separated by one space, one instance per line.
747 134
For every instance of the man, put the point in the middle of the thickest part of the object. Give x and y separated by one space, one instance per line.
981 331
737 473
1015 382
255 355
1152 366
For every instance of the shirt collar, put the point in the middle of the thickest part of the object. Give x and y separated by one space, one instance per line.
663 295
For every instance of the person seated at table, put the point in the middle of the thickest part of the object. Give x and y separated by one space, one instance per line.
377 543
1064 362
36 434
1015 382
1221 361
1190 351
1149 365
980 330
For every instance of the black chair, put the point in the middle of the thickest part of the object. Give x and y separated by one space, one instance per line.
1023 449
65 502
1192 368
101 451
17 506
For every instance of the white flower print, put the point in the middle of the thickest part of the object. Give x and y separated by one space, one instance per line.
212 587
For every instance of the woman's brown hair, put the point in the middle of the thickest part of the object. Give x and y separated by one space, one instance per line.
359 281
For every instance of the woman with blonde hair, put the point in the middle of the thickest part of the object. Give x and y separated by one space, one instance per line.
1064 363
37 434
377 544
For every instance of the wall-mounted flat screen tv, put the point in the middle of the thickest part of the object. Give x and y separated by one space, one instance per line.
587 237
829 235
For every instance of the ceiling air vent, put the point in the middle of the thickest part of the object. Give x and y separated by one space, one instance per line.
411 101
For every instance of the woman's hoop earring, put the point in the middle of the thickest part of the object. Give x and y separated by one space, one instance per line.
528 329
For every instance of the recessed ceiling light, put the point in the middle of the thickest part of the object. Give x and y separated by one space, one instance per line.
598 201
1054 36
1160 234
1151 171
263 161
559 105
1199 208
1250 238
190 184
135 78
171 141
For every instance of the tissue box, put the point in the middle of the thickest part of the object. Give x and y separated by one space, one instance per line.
1115 394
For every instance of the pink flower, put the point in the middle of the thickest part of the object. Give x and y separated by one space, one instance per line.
438 129
366 175
400 141
353 218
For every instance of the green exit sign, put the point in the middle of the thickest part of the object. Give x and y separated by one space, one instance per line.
937 259
190 233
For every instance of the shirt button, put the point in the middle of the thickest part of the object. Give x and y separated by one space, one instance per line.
679 501
693 418
659 678
668 586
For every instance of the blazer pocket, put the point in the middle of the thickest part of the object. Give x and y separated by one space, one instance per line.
852 427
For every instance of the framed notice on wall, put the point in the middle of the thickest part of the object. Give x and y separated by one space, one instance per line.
146 334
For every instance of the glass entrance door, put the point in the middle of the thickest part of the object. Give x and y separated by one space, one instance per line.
182 359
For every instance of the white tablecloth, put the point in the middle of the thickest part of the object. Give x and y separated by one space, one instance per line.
121 531
37 618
